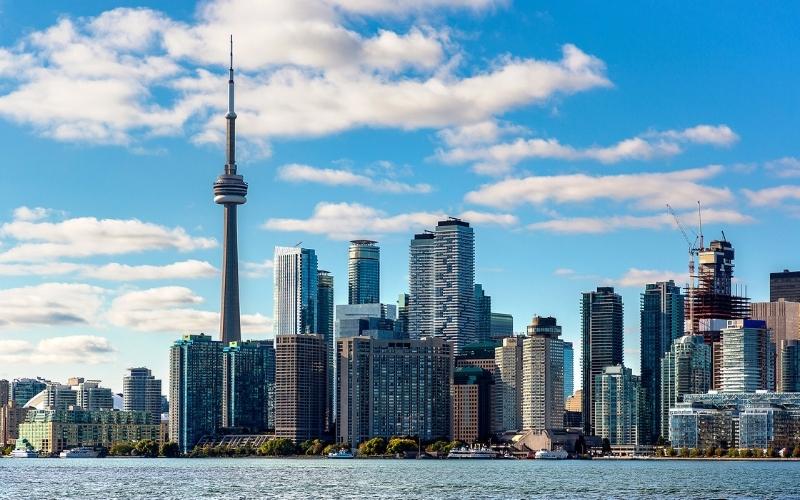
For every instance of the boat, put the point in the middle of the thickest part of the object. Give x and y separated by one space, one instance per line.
24 453
80 452
464 452
341 454
551 455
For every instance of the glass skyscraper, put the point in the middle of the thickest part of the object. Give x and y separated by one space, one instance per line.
248 381
748 357
454 283
685 369
295 291
325 308
483 314
569 370
616 392
420 286
364 272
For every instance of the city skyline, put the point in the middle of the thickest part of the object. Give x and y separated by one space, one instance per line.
108 280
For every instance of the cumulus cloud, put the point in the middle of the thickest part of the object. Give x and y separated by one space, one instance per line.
187 269
788 166
715 135
258 269
87 236
32 214
680 188
344 221
88 349
298 173
50 304
410 6
638 278
173 309
596 225
772 196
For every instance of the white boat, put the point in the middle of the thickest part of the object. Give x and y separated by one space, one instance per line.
551 455
24 453
80 452
341 454
464 452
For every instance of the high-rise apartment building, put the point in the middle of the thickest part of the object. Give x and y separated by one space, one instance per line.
569 370
784 285
748 357
393 388
483 314
685 369
195 389
454 282
790 371
421 286
300 387
248 382
23 390
5 391
501 325
661 311
325 322
543 376
295 291
617 393
783 318
402 314
364 272
141 391
601 343
11 415
90 396
471 404
508 385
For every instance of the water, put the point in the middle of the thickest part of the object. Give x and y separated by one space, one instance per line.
320 478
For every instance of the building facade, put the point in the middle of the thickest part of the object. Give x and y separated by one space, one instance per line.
11 415
601 343
248 385
295 291
790 370
508 385
483 314
569 370
90 396
783 318
543 376
471 404
300 387
784 285
402 314
325 321
364 272
686 369
23 390
501 325
421 286
5 391
617 393
454 283
141 391
748 356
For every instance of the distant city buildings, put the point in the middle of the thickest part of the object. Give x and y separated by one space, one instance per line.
783 319
141 391
617 402
508 384
784 285
569 370
483 314
790 371
300 387
5 391
685 369
543 376
421 280
364 272
295 291
471 397
11 415
748 355
501 325
325 322
248 386
24 389
402 314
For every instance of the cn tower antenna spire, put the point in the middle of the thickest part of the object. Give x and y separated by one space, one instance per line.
230 146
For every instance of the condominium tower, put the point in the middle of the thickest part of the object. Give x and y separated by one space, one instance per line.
421 286
141 391
300 387
295 291
543 376
364 272
617 405
783 318
454 282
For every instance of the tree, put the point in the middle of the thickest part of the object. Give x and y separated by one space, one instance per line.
720 452
145 448
400 445
758 453
711 451
121 449
771 452
169 450
371 447
670 452
685 452
278 447
694 453
312 447
733 453
606 446
748 453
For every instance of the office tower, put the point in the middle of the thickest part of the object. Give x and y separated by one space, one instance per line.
55 396
248 378
661 311
616 404
364 272
685 369
784 285
483 314
748 357
11 415
482 355
421 286
454 282
393 388
543 376
569 370
368 320
141 391
325 305
601 343
295 291
790 372
508 385
90 396
501 325
783 318
230 191
471 404
573 415
195 389
402 314
24 389
5 392
300 387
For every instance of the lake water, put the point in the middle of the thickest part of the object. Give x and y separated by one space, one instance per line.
320 478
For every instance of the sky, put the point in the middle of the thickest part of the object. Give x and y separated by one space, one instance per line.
559 130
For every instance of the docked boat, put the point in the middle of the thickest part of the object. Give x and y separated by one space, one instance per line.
24 453
80 452
464 452
341 454
551 455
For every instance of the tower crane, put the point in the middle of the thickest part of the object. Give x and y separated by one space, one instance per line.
694 250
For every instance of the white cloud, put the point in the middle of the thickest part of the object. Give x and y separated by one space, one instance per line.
88 349
172 309
788 166
87 236
297 173
408 6
344 221
32 214
645 190
50 304
715 135
638 278
596 225
187 269
258 269
772 196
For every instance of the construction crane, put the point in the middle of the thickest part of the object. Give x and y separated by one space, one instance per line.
694 250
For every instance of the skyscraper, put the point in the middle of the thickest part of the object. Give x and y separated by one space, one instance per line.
364 272
300 387
784 285
5 391
23 389
195 389
483 314
661 310
685 369
501 325
508 384
421 286
295 291
402 314
543 376
454 282
617 405
248 378
141 391
783 318
569 370
230 191
790 372
601 343
748 357
325 307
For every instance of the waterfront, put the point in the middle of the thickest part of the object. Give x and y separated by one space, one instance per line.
319 478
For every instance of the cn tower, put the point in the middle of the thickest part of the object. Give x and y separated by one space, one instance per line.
230 190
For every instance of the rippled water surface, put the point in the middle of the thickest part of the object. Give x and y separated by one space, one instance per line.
320 478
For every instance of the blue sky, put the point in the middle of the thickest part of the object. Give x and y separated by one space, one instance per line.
560 130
